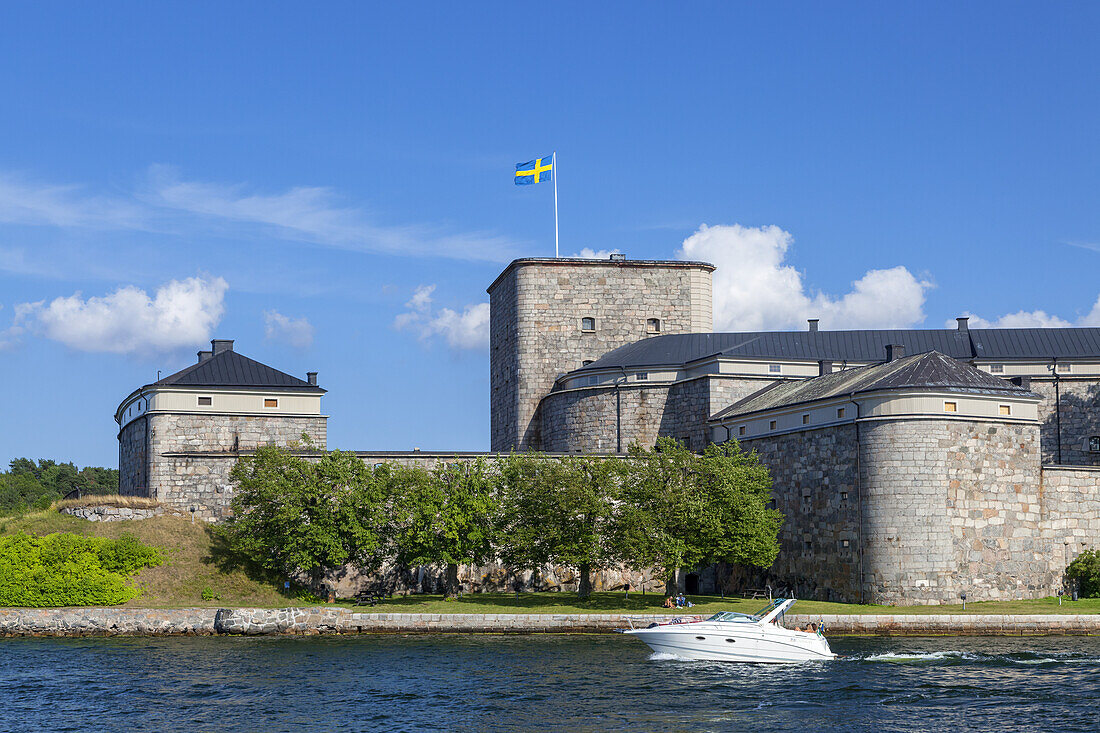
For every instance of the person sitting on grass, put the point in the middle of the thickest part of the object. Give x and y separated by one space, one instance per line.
668 602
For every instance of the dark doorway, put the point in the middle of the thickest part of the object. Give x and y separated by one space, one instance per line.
691 584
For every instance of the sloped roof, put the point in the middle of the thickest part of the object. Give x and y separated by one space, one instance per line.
230 369
865 345
931 370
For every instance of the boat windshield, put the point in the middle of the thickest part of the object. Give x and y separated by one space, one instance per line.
731 616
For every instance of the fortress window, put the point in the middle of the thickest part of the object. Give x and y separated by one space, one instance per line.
586 362
1005 409
205 401
653 325
839 413
741 430
588 324
641 376
271 402
809 545
773 369
805 419
844 543
1094 444
950 406
997 368
771 425
844 496
1063 368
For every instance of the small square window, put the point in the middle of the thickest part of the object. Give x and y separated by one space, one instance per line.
588 324
805 419
641 376
844 496
1094 444
950 406
771 425
271 402
1063 368
205 401
1005 409
839 413
592 381
997 368
773 368
653 325
844 543
741 431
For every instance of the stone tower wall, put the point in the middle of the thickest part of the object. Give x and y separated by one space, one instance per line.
536 307
1079 400
133 459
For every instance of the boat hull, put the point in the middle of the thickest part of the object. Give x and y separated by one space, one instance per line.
751 643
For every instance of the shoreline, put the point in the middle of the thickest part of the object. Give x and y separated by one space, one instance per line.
313 620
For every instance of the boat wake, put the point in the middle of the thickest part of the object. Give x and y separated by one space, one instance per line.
954 657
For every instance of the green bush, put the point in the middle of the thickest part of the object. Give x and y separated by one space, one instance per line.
1085 571
208 594
70 570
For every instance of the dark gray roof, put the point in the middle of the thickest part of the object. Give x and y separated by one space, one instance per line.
932 370
858 346
230 369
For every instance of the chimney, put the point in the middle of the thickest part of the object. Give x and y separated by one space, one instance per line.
824 367
894 352
220 345
311 377
963 328
204 355
813 324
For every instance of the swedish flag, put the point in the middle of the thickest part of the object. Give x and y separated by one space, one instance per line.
539 170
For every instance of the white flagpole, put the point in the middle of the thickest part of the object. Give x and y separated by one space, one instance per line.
554 172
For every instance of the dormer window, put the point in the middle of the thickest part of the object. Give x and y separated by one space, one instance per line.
641 376
586 362
653 325
588 324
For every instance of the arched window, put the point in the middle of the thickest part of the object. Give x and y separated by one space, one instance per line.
588 323
653 325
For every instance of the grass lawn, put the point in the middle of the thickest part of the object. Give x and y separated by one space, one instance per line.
195 560
637 603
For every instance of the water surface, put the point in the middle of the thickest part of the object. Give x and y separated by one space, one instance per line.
539 682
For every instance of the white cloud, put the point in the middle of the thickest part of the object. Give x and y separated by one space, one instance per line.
24 202
298 332
468 329
180 313
599 254
1033 319
755 290
313 214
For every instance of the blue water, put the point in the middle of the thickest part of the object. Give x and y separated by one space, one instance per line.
539 683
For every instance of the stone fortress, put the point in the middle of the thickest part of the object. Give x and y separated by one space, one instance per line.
913 466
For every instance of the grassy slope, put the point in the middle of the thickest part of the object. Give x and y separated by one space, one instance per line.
191 549
188 568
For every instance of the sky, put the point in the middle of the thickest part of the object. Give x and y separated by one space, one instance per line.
330 184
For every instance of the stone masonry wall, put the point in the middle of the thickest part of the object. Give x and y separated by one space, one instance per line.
584 419
952 506
1071 510
815 489
503 364
132 459
1080 419
547 299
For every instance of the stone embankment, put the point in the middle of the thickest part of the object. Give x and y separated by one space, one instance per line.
107 513
320 620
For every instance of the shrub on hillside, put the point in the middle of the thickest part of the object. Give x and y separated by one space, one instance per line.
1085 571
70 570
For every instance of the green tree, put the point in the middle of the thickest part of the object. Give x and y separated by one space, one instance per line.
679 510
558 512
445 516
1085 572
291 515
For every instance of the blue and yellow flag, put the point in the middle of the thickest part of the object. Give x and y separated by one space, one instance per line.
539 170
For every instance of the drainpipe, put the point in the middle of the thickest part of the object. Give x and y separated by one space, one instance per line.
1057 409
859 495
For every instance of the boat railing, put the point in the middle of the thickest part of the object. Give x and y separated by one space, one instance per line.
645 622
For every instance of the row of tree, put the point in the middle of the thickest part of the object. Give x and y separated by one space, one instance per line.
29 484
665 508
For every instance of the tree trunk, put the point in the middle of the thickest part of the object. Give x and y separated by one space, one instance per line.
450 586
672 585
584 589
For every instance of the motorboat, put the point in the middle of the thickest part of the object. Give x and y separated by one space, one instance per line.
737 637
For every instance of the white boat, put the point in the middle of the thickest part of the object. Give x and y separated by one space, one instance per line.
736 637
